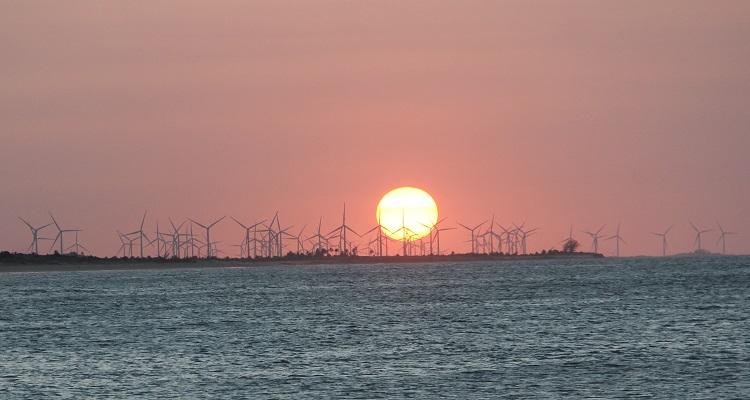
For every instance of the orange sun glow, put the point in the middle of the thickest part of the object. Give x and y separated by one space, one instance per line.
407 212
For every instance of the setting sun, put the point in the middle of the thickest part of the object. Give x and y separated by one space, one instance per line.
407 212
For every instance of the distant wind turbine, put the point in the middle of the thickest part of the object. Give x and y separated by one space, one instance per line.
618 239
663 240
208 233
35 234
698 235
60 233
473 235
77 246
722 238
595 238
141 234
342 232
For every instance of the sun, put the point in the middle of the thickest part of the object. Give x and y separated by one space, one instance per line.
407 212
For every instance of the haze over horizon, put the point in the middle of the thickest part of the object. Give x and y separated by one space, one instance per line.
585 113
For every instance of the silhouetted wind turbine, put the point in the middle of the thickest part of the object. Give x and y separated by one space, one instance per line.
141 234
664 240
208 233
524 235
595 237
698 235
60 232
722 238
473 236
436 235
35 234
78 246
342 231
618 239
247 233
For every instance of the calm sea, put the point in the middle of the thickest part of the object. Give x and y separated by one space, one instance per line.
644 327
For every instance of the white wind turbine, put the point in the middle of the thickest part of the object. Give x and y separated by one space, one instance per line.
247 234
698 236
342 232
722 238
473 235
176 244
595 238
663 240
435 233
407 233
60 233
618 239
141 234
524 235
78 246
208 233
493 235
35 234
317 240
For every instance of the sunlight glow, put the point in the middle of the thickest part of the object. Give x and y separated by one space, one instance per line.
407 211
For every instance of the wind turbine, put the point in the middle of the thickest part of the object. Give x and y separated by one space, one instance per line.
208 233
435 237
176 245
141 234
698 236
318 247
379 238
618 239
569 238
78 246
663 240
722 238
342 231
473 236
35 233
491 232
60 232
595 237
524 235
247 233
437 233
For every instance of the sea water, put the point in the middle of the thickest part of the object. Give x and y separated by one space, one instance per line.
632 327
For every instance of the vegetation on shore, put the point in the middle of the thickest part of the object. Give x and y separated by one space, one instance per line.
8 258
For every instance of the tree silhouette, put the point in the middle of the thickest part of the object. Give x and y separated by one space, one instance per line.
571 245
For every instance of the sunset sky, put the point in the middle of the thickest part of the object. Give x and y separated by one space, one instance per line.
545 112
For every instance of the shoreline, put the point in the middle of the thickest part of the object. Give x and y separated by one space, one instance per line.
52 263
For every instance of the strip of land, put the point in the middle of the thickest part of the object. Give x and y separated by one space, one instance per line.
14 262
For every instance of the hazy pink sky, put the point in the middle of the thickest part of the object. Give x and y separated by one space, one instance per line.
554 113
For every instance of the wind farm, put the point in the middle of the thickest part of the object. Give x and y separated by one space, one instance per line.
189 239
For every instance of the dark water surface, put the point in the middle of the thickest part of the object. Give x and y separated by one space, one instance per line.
651 328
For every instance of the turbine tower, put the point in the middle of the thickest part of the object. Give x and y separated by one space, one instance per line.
722 238
663 240
35 234
208 233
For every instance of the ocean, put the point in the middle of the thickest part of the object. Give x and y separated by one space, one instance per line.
600 328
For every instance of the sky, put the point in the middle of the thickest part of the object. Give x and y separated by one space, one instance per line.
553 114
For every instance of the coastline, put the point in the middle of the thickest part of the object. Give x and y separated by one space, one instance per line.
69 263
